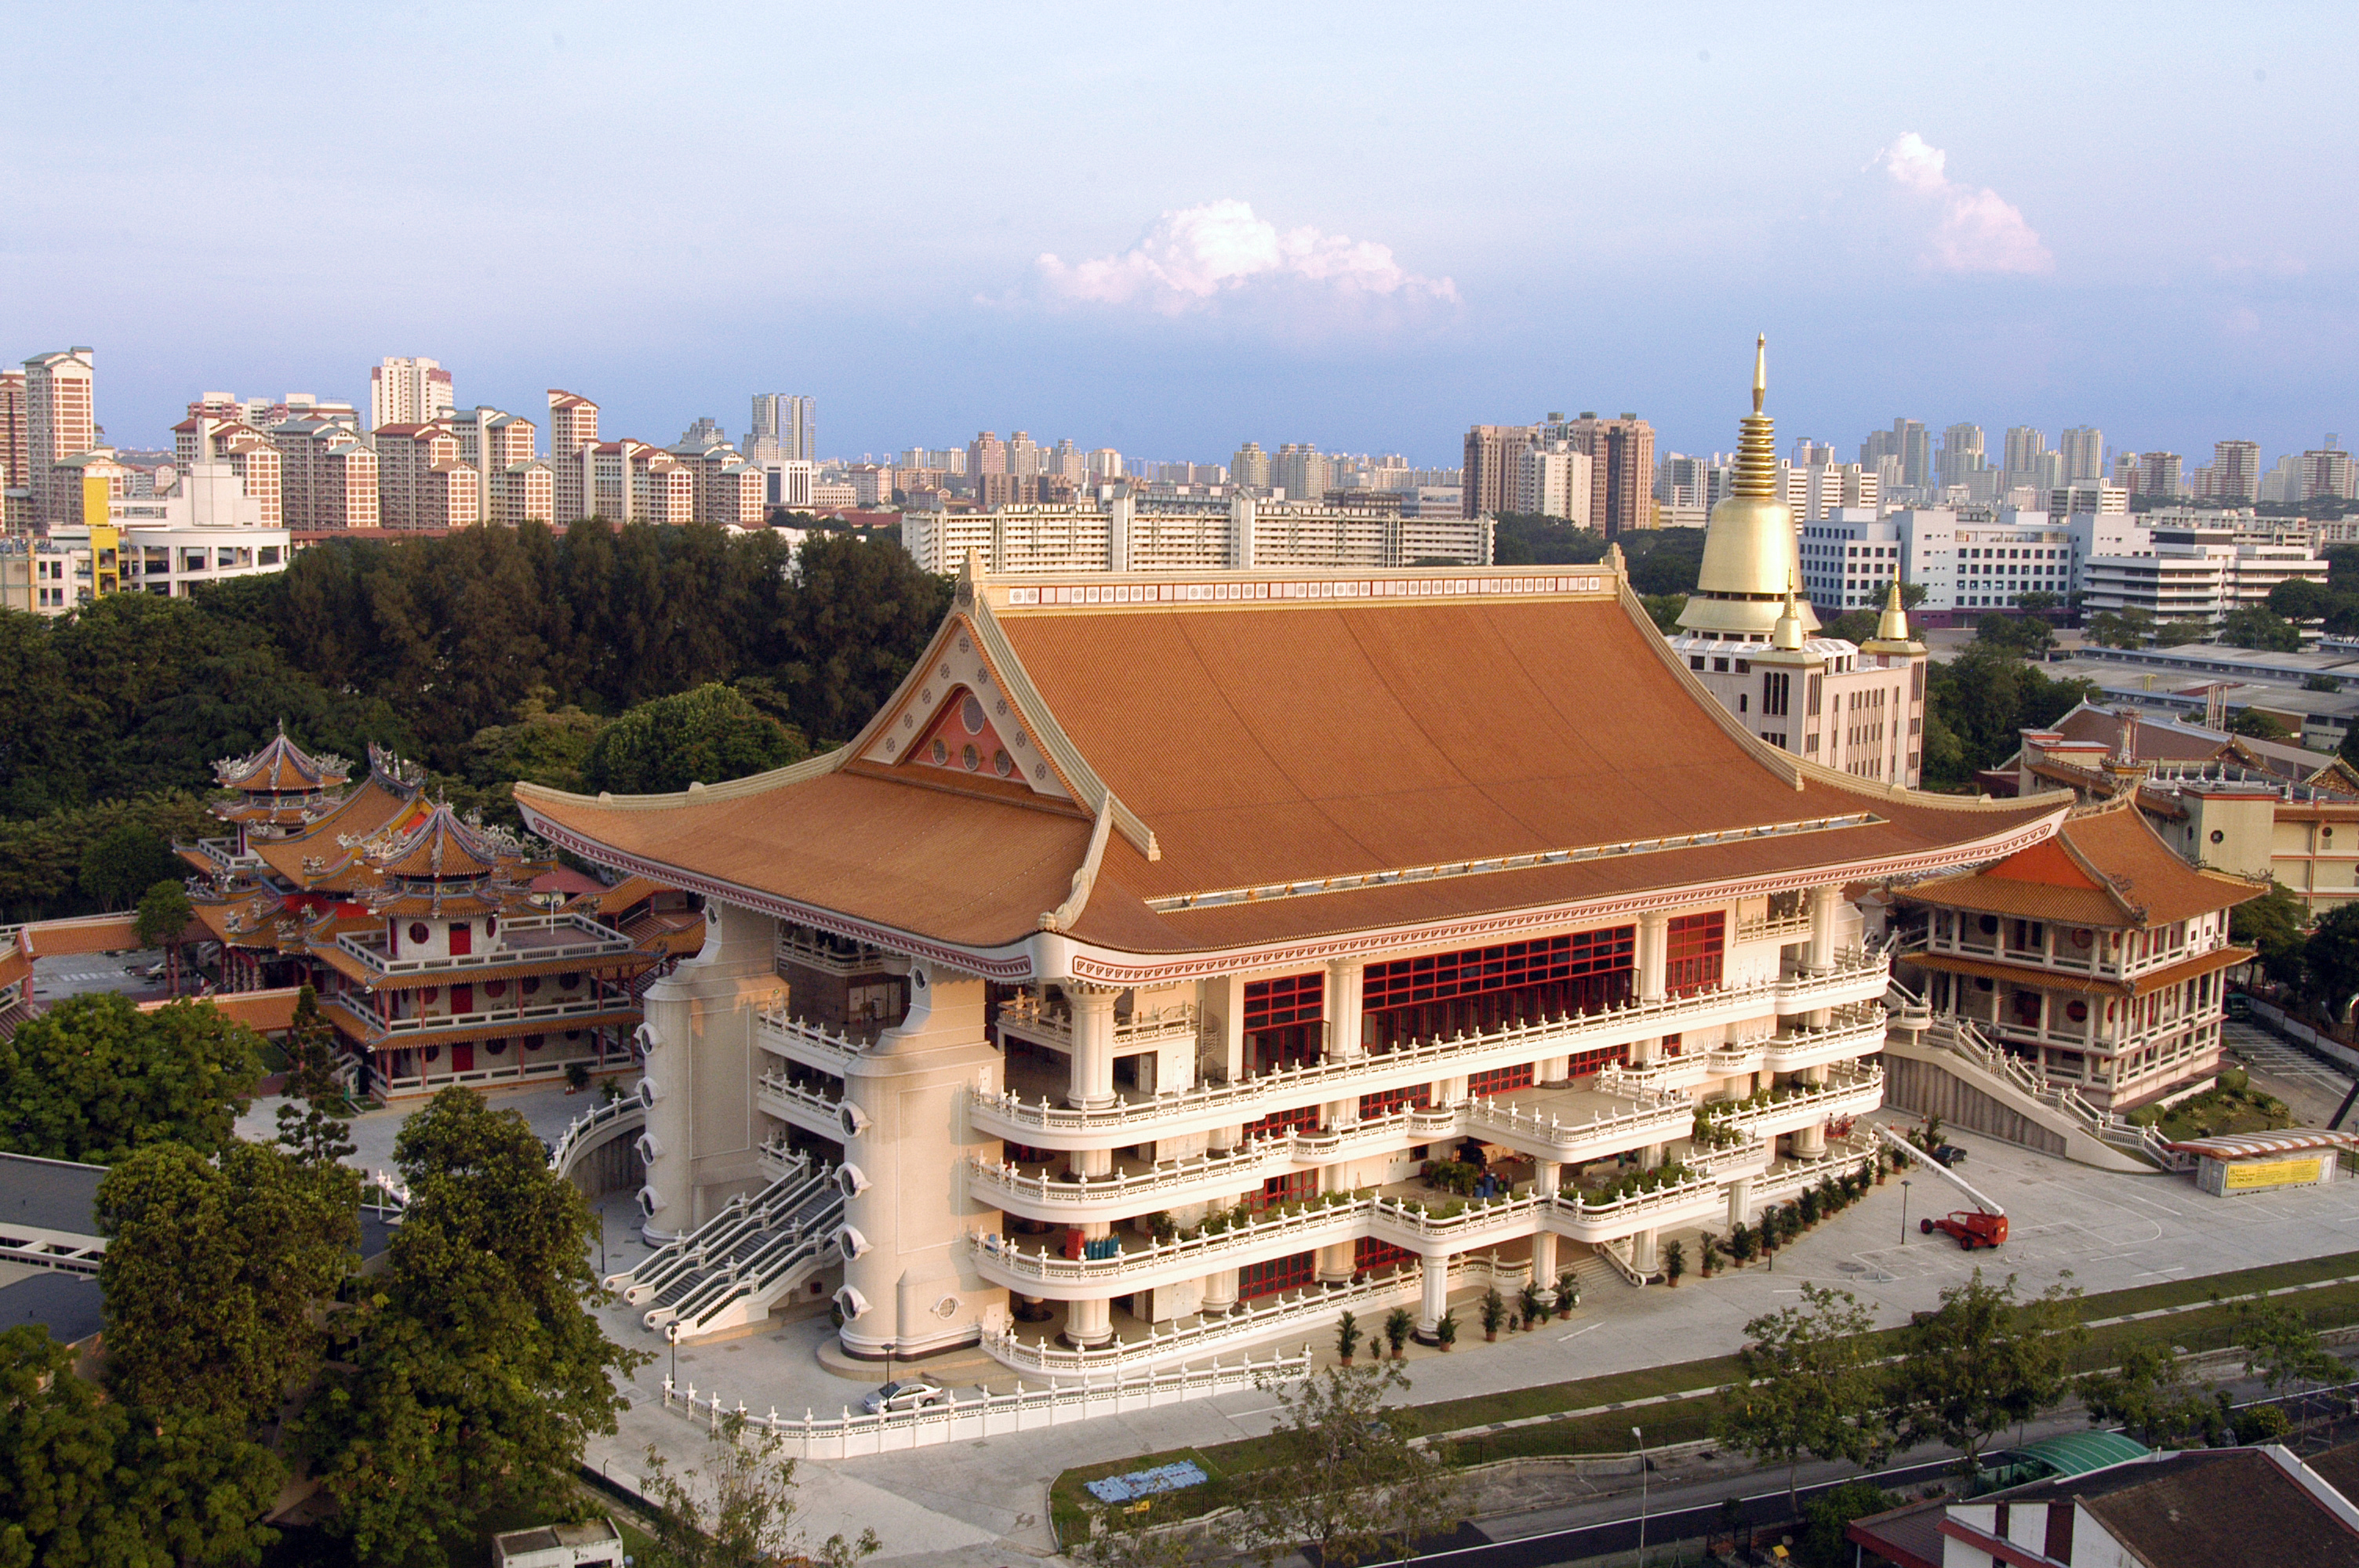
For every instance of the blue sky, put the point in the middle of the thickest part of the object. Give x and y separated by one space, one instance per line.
1365 225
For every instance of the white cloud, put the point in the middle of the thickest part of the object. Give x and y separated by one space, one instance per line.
1979 230
1192 255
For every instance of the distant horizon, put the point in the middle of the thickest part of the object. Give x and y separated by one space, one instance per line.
1368 229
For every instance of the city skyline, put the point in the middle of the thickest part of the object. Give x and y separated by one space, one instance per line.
1302 244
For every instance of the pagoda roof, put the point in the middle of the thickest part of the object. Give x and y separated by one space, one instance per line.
2107 868
1227 764
281 767
321 856
441 849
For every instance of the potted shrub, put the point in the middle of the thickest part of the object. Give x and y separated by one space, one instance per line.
1568 1293
1534 1309
1707 1254
1741 1243
1806 1207
1445 1330
1495 1312
1347 1338
1399 1323
1675 1262
577 1077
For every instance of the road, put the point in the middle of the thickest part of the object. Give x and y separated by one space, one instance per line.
85 974
2311 1088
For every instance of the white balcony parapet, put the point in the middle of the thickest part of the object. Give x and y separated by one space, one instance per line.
595 1129
594 943
1837 1090
781 1097
1657 1117
1025 1013
832 955
1006 1114
1003 1180
812 1043
1783 928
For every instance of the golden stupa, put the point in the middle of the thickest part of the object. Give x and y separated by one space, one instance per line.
1751 555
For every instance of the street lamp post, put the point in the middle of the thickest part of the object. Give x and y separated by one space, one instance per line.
1642 1494
1904 1211
671 1334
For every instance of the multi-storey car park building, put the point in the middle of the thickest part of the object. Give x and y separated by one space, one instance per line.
1130 972
439 957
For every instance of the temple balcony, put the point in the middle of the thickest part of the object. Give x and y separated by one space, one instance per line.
1843 1095
224 856
807 1106
1036 1114
374 1027
522 939
834 954
1027 1017
817 1045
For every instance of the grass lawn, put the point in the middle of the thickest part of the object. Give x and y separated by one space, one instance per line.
1690 1420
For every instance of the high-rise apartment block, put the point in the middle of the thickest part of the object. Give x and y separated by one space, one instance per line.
986 454
1249 470
785 427
408 392
209 436
727 488
1622 468
2159 474
61 420
1023 456
1908 444
2329 472
1301 470
14 442
2083 448
1554 478
1493 452
423 481
572 432
2236 471
329 475
1961 458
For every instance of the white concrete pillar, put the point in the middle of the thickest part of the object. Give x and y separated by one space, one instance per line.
1433 1292
1345 995
1336 1263
1092 1082
1088 1323
701 1068
1220 1292
1822 928
1740 1201
1654 952
1811 1142
1548 1176
1815 1076
1643 1253
1093 1162
1544 1261
1220 1004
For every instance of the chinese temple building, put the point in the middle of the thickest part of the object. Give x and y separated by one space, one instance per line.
434 958
1160 966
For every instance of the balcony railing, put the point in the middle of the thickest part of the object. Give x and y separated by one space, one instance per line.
832 954
784 1099
813 1044
1782 928
521 1015
595 943
1807 1103
1025 1014
1008 1115
1655 1118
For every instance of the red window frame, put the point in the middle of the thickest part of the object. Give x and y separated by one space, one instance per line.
1272 1275
1693 948
1386 1101
1290 999
1583 1062
1369 1253
1498 1080
1292 1187
1301 1118
1438 977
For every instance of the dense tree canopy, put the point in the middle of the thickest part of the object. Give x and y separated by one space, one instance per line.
1976 703
95 1078
709 734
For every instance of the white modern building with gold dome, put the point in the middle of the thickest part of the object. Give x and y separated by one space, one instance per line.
1751 638
1177 961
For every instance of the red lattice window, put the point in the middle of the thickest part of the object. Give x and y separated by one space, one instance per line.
1301 1119
1369 1253
1391 1101
1438 976
1294 998
1025 1154
1583 1062
1275 1274
1498 1080
1692 950
1288 1189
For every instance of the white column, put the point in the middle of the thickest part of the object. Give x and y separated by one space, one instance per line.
1088 1323
1221 1003
1336 1263
1093 1083
1220 1292
1642 1253
1740 1201
1433 1298
1822 929
1344 1012
1654 953
1544 1261
1811 1142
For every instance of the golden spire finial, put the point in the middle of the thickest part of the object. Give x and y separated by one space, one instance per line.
1760 372
1892 626
1788 632
1756 441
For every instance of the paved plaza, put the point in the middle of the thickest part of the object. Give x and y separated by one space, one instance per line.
980 1502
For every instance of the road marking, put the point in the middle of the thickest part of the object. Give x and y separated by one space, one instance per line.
1575 1334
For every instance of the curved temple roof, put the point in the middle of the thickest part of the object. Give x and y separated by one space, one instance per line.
1285 759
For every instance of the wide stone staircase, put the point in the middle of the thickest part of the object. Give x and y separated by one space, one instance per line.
730 1269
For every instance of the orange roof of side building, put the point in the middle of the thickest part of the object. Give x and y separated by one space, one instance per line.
1164 769
2107 868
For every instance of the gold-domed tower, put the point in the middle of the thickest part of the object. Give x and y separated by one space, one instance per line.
1752 557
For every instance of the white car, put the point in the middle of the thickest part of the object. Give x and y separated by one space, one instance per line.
907 1394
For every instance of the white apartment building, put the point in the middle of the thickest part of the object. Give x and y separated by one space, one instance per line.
215 436
423 481
205 530
408 392
328 474
522 492
1122 535
61 421
786 429
1814 489
1553 478
1965 563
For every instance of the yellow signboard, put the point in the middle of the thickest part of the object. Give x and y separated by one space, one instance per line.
2250 1174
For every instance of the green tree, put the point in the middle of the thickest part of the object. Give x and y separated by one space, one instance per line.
1913 594
1826 1517
739 1512
2025 635
2179 634
117 867
95 1078
2130 629
2272 925
1664 609
1977 703
2330 960
215 1276
2281 1349
164 913
1985 1361
2321 683
861 614
2297 599
2255 725
479 1370
2038 601
62 1482
706 735
2147 1394
538 745
1851 626
313 1134
1345 1481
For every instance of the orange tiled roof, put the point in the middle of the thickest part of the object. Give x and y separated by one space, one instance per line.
2107 868
281 767
440 847
1272 745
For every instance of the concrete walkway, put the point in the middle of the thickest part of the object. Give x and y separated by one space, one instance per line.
977 1503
